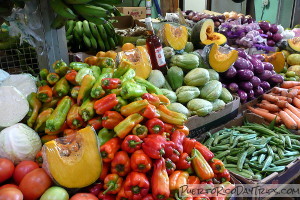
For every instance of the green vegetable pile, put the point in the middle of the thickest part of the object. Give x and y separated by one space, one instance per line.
254 151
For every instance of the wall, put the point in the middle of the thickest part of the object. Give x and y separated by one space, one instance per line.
198 5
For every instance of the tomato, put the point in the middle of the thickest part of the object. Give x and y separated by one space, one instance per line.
11 194
84 196
55 193
6 169
35 183
9 186
24 168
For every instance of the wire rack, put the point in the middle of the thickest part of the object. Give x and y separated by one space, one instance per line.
19 59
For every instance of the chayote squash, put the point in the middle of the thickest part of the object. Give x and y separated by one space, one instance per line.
197 77
189 47
211 90
170 94
202 63
185 61
187 93
178 107
200 107
168 52
226 96
218 104
213 75
157 78
175 77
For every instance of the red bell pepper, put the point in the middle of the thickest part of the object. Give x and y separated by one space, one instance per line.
150 112
188 145
104 171
102 196
120 164
206 153
109 149
121 194
74 119
140 130
155 126
110 83
70 76
112 184
169 128
154 146
69 132
201 197
153 100
184 161
96 123
193 180
111 119
178 179
170 166
223 176
171 152
131 143
148 197
136 185
140 162
201 167
160 180
177 137
105 104
183 129
217 165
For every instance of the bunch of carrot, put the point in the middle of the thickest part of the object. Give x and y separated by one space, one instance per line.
283 103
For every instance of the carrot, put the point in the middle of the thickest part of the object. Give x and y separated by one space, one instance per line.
292 93
270 98
265 101
298 96
264 110
293 109
278 90
296 87
267 116
296 102
288 120
289 100
269 107
285 93
290 84
293 116
282 104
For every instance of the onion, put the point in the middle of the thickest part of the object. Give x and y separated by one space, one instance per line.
277 37
273 28
265 26
270 43
269 35
280 29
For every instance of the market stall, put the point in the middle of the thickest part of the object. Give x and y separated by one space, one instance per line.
145 107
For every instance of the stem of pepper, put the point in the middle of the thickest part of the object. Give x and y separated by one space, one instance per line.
133 144
176 196
76 122
136 189
120 167
103 154
160 196
110 187
190 159
162 152
140 130
141 166
156 128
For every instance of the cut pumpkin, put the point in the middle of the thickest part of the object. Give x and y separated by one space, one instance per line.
203 34
277 60
73 161
221 61
140 60
294 44
175 37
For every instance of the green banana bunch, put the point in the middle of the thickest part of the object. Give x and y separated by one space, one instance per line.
87 35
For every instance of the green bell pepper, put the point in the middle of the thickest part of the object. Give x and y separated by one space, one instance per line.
60 67
121 102
96 71
130 74
78 65
104 135
81 73
130 89
149 86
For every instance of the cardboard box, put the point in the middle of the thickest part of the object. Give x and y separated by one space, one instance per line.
135 12
125 22
199 125
292 170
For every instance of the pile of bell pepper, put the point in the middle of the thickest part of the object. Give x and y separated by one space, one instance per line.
144 146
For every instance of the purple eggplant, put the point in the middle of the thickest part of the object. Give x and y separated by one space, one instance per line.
257 65
245 74
246 86
230 73
268 66
276 78
258 91
233 87
265 85
255 81
250 94
258 56
242 63
243 95
242 53
266 75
